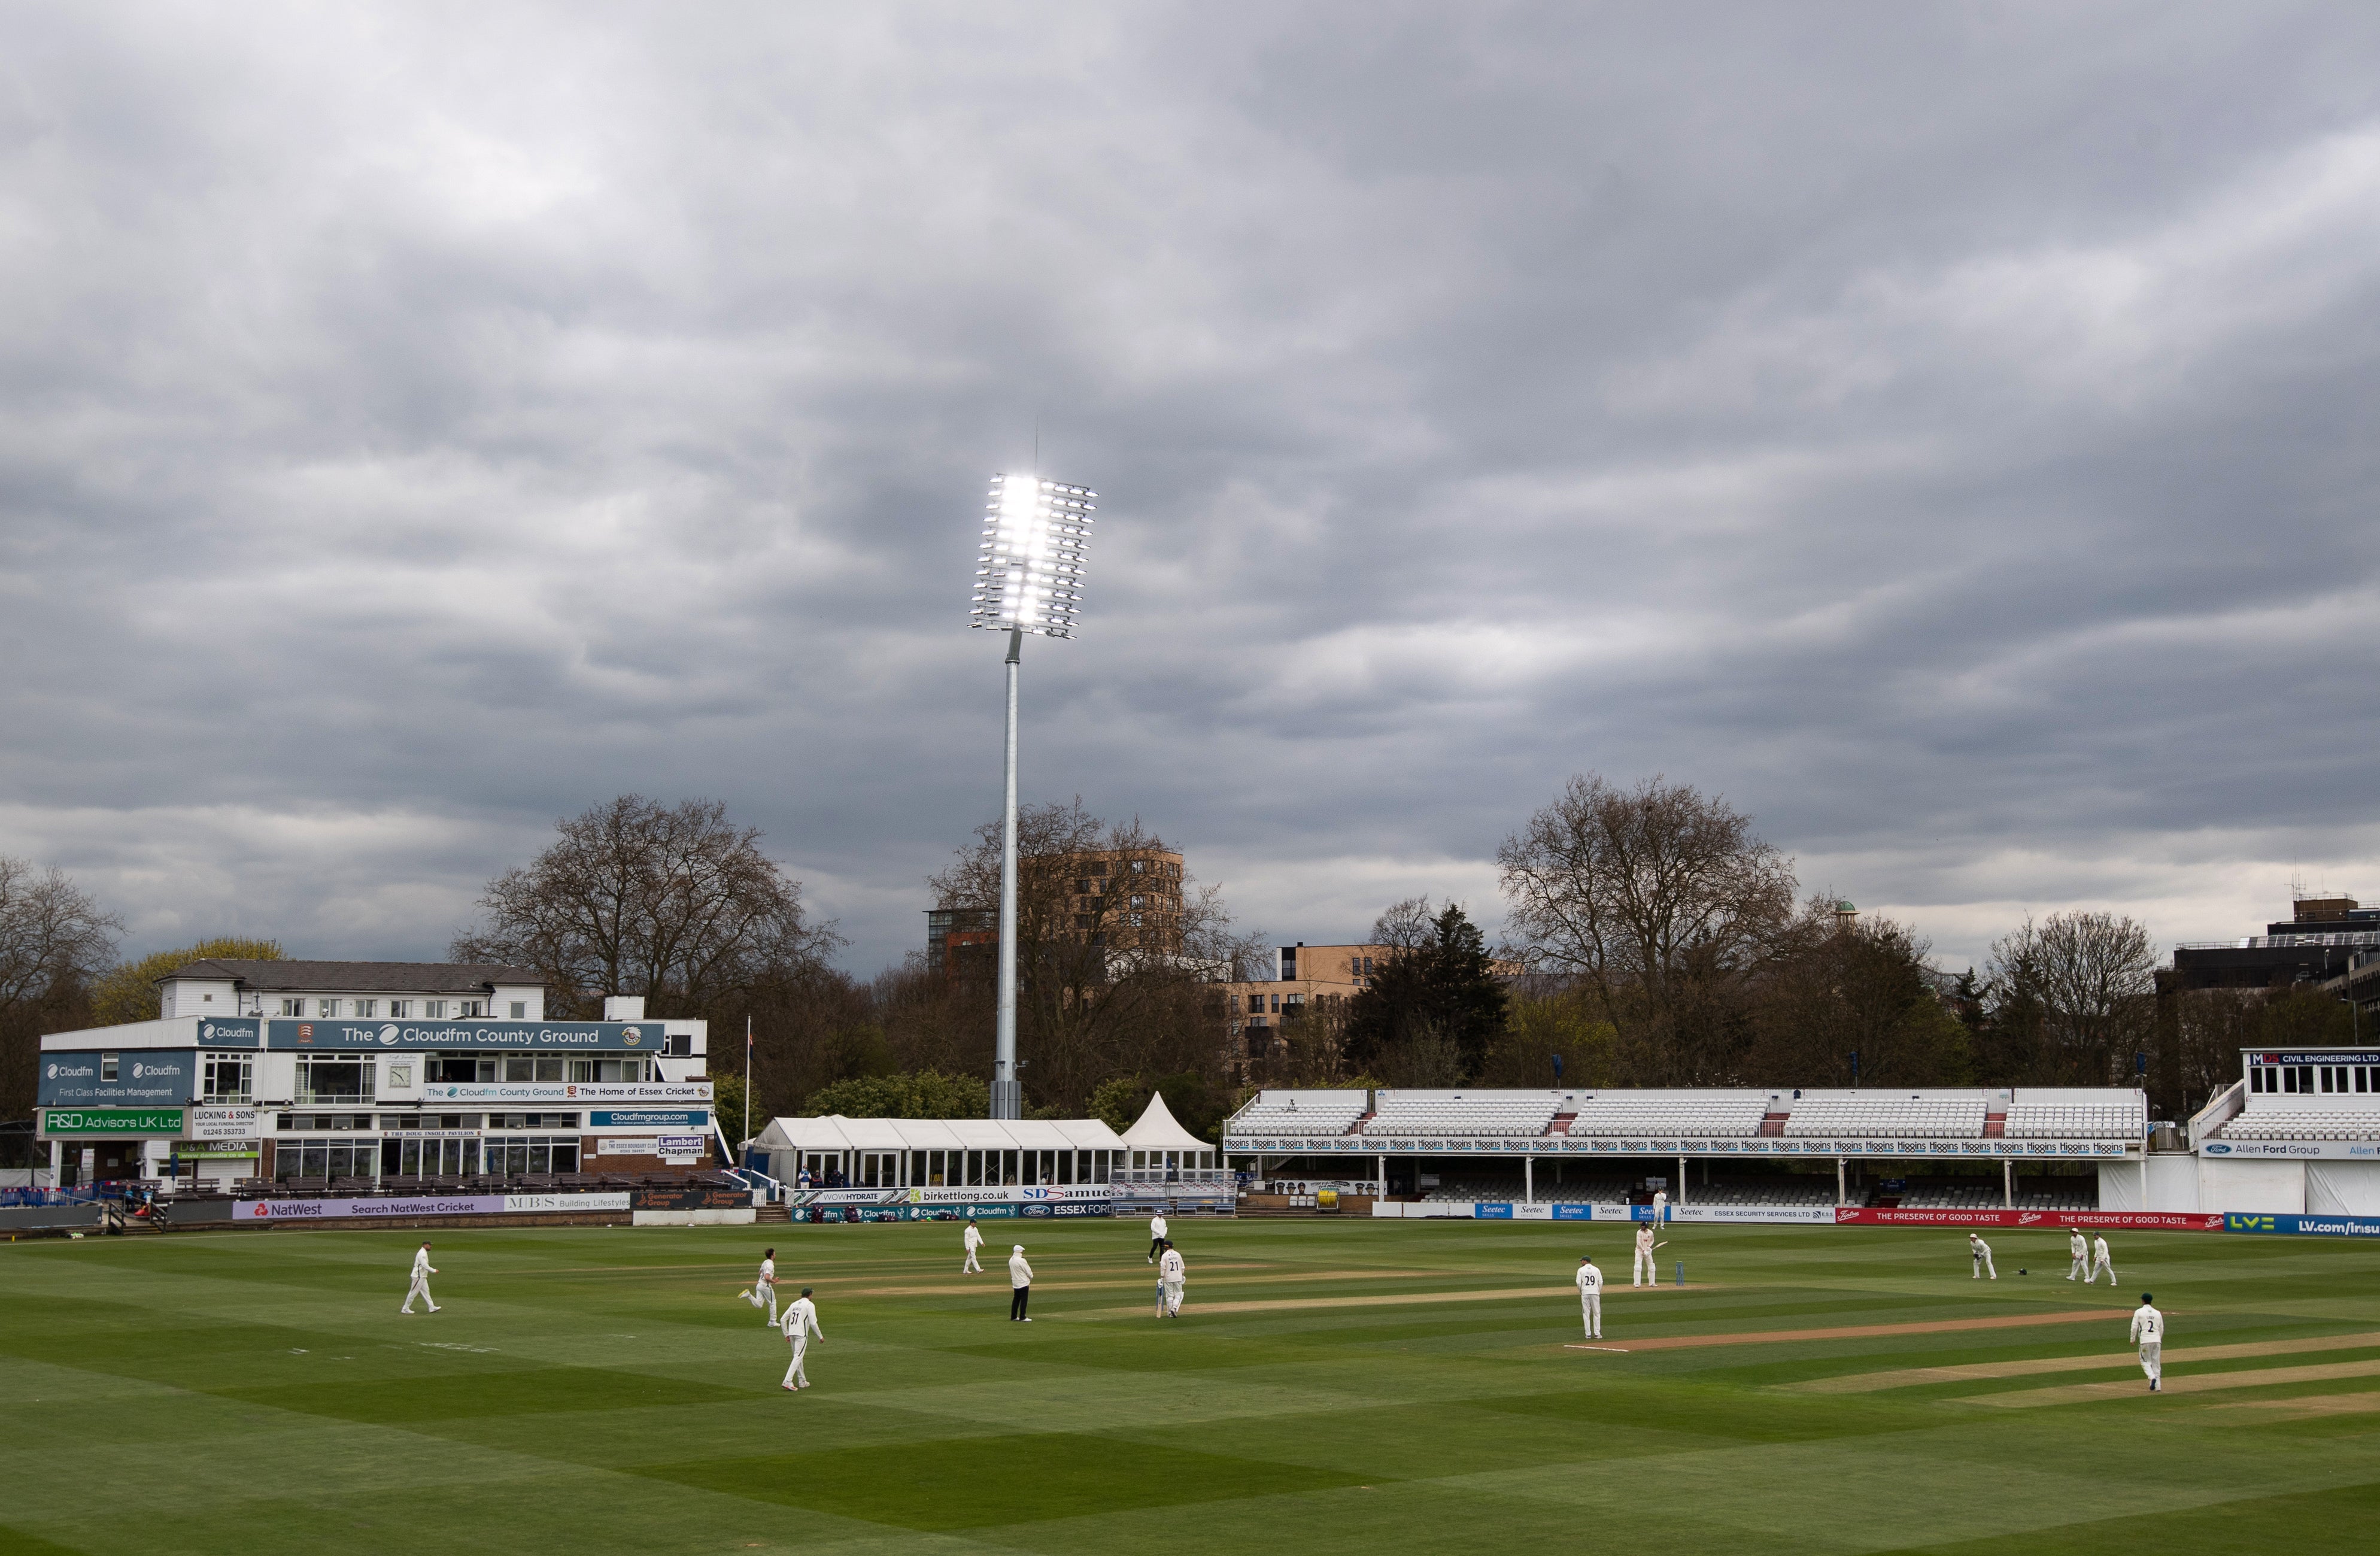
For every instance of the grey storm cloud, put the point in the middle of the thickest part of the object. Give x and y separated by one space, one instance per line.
1943 431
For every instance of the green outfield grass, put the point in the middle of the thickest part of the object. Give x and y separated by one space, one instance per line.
1380 1386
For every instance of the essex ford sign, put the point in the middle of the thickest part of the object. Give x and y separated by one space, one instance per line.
543 1037
140 1077
143 1122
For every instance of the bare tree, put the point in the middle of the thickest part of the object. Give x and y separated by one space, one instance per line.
54 942
1100 994
675 903
1659 900
2073 997
1832 988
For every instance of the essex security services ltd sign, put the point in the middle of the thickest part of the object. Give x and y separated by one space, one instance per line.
545 1036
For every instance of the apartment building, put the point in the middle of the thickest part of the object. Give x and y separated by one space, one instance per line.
1304 977
1122 899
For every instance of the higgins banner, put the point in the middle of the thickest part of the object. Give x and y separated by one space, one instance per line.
2136 1221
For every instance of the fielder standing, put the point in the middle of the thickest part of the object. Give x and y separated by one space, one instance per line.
973 1240
422 1270
1641 1272
1171 1274
2148 1331
1981 1252
762 1292
2100 1261
1661 1207
1020 1284
1156 1236
1590 1296
2081 1252
801 1327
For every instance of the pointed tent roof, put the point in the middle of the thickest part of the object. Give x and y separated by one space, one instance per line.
1156 1130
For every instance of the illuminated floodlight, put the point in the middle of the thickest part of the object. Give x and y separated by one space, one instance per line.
1028 578
1028 574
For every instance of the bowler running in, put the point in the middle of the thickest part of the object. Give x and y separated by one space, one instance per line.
762 1292
973 1240
1590 1296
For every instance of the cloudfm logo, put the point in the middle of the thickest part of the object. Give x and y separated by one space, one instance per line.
387 1035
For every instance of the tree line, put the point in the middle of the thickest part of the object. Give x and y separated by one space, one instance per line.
1652 939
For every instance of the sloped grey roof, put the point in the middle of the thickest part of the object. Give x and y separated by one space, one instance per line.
363 978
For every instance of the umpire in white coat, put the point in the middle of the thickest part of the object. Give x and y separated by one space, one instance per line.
1020 1285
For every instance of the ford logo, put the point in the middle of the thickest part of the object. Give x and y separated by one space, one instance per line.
2218 1150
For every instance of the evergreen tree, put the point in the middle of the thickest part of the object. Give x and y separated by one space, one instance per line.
1436 993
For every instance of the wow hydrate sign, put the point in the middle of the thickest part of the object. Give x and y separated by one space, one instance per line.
543 1037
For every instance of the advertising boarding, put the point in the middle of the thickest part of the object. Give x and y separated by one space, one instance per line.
135 1077
541 1037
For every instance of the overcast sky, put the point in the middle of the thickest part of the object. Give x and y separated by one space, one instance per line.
1947 431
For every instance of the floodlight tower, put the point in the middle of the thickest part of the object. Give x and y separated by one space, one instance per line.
1028 578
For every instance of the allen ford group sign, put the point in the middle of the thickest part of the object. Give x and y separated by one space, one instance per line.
139 1077
542 1037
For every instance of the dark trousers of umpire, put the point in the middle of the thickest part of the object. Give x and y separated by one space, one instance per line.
1016 1300
1156 1246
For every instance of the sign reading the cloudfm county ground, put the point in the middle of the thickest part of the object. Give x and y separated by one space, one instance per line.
547 1037
56 1122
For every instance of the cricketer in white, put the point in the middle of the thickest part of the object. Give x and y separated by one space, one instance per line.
801 1327
973 1240
762 1293
422 1270
1641 1272
2148 1331
1590 1296
1172 1273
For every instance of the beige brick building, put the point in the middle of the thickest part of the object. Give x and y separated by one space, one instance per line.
1315 977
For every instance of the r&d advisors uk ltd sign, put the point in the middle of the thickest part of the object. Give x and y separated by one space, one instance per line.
543 1037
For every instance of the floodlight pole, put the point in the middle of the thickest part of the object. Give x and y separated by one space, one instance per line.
1007 1098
